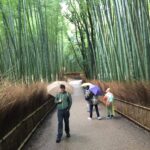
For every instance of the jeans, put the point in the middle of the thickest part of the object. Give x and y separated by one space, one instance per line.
63 115
91 110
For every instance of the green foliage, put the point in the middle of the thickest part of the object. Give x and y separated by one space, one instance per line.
30 40
113 37
108 39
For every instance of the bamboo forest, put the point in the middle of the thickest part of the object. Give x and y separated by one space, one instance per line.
107 40
103 43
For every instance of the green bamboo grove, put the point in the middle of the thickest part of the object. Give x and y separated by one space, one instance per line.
113 37
110 39
30 40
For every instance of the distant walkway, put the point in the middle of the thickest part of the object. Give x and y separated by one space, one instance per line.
115 134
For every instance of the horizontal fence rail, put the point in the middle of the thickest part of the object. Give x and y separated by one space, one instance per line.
25 128
136 113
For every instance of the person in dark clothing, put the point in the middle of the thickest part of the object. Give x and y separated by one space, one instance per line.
93 101
87 92
64 102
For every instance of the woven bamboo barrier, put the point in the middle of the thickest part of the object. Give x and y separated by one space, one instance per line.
138 114
19 135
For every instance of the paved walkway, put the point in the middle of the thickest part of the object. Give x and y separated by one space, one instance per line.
115 134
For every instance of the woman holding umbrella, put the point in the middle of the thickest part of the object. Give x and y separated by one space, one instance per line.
92 99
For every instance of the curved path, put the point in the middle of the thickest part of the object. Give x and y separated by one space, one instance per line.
115 134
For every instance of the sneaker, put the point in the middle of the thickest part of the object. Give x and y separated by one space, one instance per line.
68 135
99 118
58 140
89 118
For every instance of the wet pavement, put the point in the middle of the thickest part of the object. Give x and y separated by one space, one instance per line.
115 134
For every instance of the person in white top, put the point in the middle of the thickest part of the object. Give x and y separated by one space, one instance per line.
109 99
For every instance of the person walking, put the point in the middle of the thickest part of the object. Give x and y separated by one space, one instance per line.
93 102
64 101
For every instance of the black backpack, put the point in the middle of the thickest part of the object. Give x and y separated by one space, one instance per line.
89 97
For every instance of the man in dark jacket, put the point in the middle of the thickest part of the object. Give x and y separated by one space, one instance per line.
64 102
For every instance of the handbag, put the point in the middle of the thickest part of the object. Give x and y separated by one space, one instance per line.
94 100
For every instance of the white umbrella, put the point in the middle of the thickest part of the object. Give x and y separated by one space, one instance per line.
86 84
54 88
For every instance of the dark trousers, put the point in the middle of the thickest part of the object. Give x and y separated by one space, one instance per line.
63 115
91 110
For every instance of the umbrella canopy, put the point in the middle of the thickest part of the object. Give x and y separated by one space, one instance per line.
54 88
86 84
96 90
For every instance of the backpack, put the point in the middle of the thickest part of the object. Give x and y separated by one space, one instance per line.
89 96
